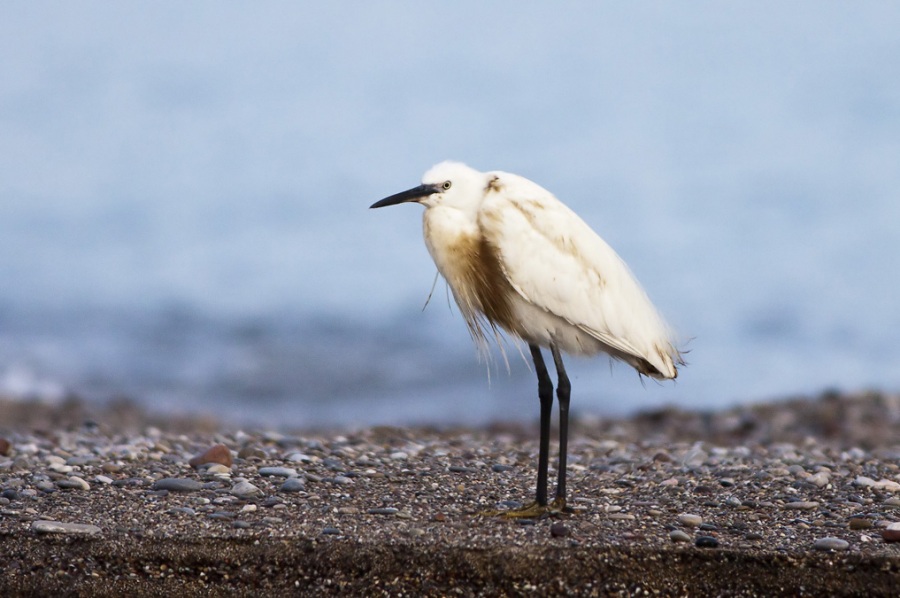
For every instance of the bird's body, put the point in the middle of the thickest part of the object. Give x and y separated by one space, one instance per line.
517 258
524 261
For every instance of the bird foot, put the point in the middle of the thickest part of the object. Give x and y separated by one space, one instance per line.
532 510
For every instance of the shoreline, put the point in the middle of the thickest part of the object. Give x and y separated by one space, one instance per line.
790 497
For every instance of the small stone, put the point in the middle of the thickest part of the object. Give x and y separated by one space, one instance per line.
676 535
58 527
217 453
802 505
399 456
500 468
218 469
690 520
177 485
820 479
831 544
706 542
461 469
240 524
383 511
893 501
890 535
5 447
331 531
863 482
293 485
102 479
341 480
694 458
856 523
251 452
73 483
285 472
298 458
559 530
245 490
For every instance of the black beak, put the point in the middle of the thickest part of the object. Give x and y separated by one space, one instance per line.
414 194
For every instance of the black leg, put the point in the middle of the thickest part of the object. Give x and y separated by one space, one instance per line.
545 393
563 393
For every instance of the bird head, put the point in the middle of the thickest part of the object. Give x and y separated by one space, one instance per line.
450 184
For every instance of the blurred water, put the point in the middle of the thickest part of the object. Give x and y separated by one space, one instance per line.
183 193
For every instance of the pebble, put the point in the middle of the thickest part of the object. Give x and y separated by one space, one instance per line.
831 544
690 520
217 453
802 505
73 483
676 535
890 535
500 468
44 526
5 447
177 485
706 542
293 485
245 490
383 511
299 458
285 472
331 531
820 479
856 523
559 530
251 452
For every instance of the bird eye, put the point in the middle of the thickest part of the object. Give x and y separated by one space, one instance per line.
446 185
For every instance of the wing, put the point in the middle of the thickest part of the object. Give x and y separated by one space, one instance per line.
556 262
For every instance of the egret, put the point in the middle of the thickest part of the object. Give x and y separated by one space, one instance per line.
518 259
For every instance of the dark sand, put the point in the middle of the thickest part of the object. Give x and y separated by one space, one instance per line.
389 511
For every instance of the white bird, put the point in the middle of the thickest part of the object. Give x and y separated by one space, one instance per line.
517 258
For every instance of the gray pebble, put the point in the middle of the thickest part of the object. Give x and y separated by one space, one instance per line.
285 472
46 486
245 490
58 527
293 485
298 458
177 485
831 544
676 535
500 468
706 542
331 531
383 511
461 469
73 483
690 520
802 505
341 480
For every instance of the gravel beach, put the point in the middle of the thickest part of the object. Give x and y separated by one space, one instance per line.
794 497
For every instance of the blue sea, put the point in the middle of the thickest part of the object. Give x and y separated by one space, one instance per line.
184 191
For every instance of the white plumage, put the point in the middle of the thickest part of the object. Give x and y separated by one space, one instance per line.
517 258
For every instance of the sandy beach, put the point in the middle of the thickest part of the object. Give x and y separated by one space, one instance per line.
793 497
